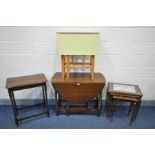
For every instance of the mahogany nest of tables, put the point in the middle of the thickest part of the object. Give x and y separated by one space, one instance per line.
124 92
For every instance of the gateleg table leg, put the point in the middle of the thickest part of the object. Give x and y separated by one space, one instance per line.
57 102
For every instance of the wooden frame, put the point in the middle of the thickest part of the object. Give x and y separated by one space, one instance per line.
67 63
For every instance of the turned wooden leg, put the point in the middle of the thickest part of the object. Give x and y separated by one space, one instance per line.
92 60
63 66
46 99
58 106
14 107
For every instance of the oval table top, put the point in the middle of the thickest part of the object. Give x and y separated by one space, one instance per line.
79 87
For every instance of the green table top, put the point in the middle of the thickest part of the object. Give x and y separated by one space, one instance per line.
70 43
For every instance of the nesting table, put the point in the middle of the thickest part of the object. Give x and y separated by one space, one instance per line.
25 82
124 92
78 90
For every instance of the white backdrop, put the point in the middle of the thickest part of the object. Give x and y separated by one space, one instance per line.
127 55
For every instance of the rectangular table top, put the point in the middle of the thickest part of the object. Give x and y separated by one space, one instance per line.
25 80
127 89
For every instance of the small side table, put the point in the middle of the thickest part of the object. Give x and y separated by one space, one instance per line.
25 82
125 92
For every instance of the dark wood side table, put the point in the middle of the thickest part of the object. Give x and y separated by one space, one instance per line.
125 92
78 89
25 82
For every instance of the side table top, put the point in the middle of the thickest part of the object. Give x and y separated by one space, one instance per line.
128 89
25 80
